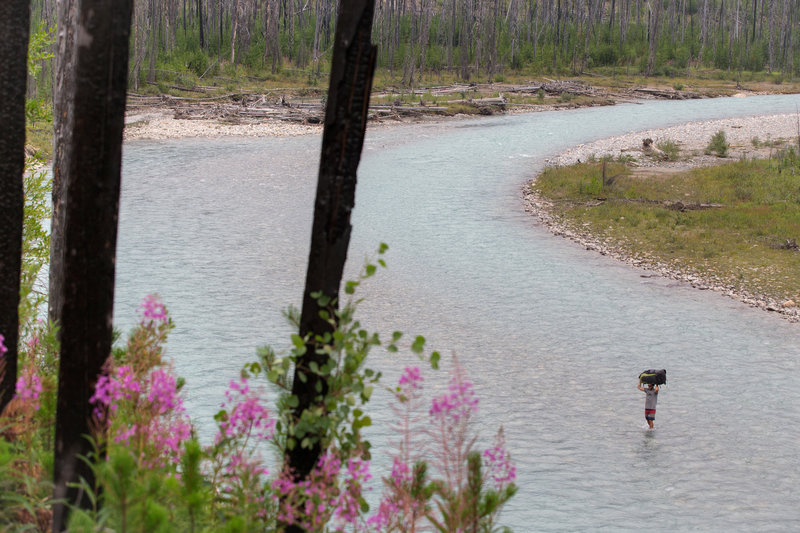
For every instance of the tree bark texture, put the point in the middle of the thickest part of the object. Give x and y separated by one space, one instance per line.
14 28
62 110
92 180
343 138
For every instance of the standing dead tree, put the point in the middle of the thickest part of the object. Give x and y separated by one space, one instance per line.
93 143
342 140
14 24
62 92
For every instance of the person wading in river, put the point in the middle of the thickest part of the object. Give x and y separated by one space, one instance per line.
649 402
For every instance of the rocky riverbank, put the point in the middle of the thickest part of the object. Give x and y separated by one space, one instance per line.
769 131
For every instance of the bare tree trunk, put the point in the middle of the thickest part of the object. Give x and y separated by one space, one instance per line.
200 22
343 137
14 27
92 180
62 112
653 44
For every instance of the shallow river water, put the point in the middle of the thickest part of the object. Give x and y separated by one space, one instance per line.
553 336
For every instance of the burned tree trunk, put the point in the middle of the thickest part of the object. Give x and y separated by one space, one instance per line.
14 24
342 141
92 184
62 110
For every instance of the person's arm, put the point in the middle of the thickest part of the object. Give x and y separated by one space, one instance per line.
656 388
639 386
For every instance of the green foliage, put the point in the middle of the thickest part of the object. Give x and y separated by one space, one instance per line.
338 416
40 48
718 145
35 243
198 63
670 151
475 506
752 211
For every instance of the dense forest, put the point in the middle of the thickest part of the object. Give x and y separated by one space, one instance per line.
460 39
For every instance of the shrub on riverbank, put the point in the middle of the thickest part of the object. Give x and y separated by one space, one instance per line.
718 145
735 225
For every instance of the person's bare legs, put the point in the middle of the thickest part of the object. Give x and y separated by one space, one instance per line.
650 423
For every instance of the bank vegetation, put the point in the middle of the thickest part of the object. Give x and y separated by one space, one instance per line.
732 227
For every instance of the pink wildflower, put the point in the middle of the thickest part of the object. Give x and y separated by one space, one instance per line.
459 403
409 386
163 392
348 504
153 311
29 387
498 463
248 417
33 342
3 348
110 390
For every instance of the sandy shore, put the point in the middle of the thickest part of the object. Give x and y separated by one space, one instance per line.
160 124
692 138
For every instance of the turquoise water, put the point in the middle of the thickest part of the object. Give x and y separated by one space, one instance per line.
552 335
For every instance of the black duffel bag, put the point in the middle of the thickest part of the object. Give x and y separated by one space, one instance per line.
653 377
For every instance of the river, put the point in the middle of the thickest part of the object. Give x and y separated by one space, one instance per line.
553 336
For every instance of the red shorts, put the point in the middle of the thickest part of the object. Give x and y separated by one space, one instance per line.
650 414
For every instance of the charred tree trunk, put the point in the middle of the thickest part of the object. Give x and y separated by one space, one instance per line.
62 112
92 180
200 22
343 137
14 27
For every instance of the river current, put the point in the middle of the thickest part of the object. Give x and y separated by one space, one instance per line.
553 336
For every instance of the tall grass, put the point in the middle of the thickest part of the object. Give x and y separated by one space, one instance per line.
730 223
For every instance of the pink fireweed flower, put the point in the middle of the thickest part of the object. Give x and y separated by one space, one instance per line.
3 348
497 462
29 388
457 404
110 390
33 342
348 503
409 386
312 502
153 311
163 392
248 417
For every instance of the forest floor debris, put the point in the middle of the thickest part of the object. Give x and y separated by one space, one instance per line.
293 111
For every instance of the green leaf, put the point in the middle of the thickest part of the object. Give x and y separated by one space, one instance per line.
362 422
292 401
302 377
391 348
435 360
396 336
298 341
382 248
350 287
419 344
370 270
